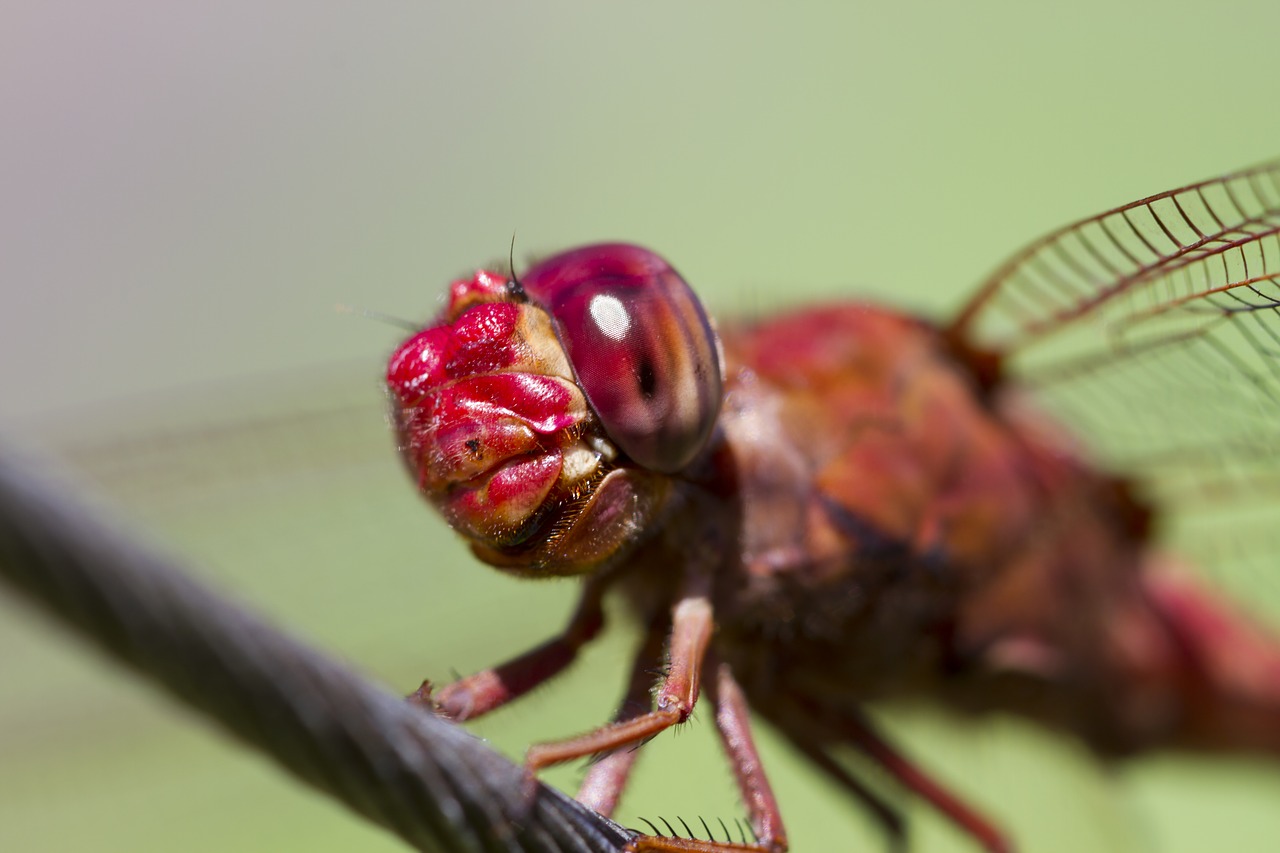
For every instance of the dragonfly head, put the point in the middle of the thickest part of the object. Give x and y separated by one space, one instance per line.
546 416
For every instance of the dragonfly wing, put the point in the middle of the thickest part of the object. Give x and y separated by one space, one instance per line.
1153 330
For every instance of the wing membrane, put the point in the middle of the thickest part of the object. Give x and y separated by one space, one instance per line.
295 430
1207 247
1154 330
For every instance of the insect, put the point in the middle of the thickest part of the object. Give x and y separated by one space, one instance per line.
847 504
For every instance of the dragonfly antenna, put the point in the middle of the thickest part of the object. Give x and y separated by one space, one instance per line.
515 287
511 258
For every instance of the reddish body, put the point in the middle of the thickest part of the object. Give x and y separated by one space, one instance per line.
902 534
847 505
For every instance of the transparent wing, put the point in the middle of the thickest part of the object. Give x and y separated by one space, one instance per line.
176 452
1154 331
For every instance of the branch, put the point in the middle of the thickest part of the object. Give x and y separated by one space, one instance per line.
427 781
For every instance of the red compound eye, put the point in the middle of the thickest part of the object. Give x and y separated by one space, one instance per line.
644 352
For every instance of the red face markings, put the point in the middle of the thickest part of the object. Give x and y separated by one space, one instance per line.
486 411
516 405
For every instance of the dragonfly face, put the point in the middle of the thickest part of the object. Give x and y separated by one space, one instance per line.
539 415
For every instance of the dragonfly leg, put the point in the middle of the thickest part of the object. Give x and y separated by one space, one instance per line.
607 778
734 724
799 732
859 732
691 627
487 690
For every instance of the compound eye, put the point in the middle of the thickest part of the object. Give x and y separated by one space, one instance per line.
644 352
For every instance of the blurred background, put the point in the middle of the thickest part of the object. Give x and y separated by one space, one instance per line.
186 193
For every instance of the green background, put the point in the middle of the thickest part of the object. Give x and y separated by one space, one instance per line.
186 194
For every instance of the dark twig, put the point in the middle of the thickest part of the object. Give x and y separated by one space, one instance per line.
427 781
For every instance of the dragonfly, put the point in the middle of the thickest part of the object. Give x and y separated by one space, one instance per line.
847 504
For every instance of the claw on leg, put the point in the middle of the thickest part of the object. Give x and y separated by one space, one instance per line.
490 689
734 726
